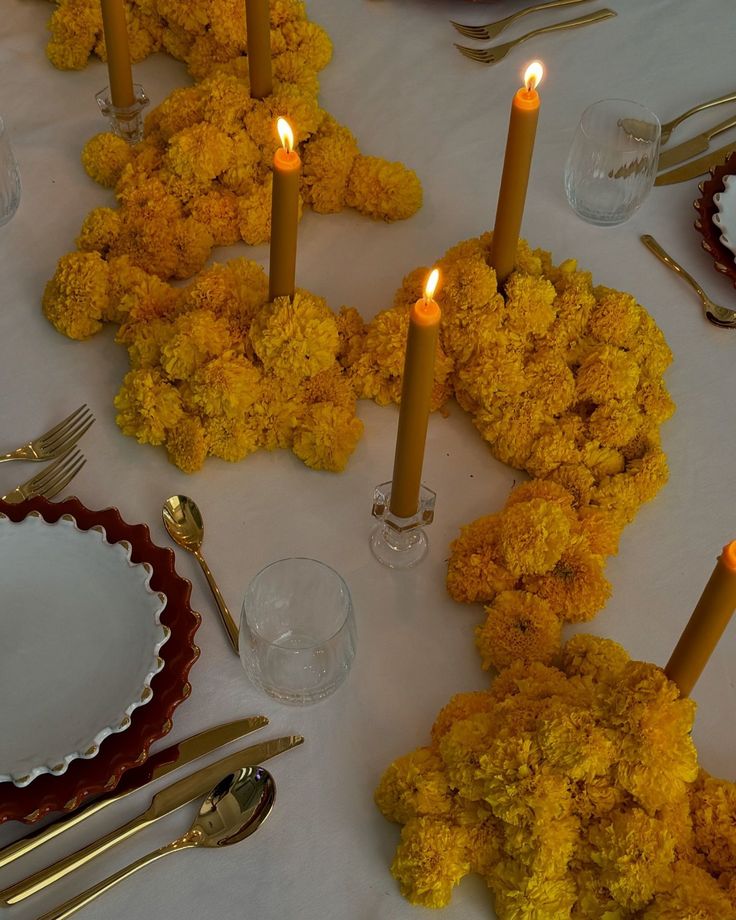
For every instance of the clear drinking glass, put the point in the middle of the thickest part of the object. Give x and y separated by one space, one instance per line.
297 630
612 161
9 178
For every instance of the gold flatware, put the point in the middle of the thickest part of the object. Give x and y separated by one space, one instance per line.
183 521
155 767
719 316
696 145
234 809
50 481
498 52
668 127
163 803
57 440
696 167
492 30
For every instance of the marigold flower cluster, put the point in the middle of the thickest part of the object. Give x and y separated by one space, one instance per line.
202 175
574 791
215 369
564 380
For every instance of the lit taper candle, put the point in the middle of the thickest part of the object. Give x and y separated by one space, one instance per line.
515 178
118 54
416 394
258 28
706 625
287 167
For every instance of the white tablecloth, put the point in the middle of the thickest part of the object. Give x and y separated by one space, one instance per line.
399 84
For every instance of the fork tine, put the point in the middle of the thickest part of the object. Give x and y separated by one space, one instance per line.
66 478
49 475
475 54
69 436
70 419
479 32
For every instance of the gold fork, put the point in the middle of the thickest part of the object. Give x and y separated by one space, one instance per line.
498 52
57 440
50 481
492 30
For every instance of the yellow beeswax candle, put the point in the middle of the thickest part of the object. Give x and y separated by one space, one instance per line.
287 167
118 54
707 623
416 393
258 28
515 178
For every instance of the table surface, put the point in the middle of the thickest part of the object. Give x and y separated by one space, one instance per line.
398 83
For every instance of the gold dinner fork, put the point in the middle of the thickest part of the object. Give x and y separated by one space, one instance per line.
498 52
50 481
492 30
57 440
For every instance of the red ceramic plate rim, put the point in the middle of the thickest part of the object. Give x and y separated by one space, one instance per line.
123 750
723 258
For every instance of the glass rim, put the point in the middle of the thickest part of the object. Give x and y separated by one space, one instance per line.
347 613
644 109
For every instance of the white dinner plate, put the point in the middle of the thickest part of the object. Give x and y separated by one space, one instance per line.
725 215
80 633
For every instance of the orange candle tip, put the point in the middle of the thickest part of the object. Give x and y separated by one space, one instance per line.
286 160
526 99
728 557
426 312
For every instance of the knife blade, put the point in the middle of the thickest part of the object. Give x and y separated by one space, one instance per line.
691 148
696 167
168 800
157 765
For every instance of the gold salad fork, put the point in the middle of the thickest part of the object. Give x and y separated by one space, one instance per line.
57 440
492 30
498 52
50 481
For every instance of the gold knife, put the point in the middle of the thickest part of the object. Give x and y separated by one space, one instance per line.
691 148
163 803
156 766
696 167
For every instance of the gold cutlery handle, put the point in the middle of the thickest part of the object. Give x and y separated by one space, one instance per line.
227 619
539 7
81 900
569 24
45 877
663 256
669 126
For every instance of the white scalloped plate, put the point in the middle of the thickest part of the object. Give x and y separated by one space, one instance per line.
80 633
725 215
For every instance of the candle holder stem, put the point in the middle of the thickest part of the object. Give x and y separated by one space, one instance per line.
125 122
399 542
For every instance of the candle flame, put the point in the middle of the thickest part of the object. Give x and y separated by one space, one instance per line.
533 75
431 284
285 134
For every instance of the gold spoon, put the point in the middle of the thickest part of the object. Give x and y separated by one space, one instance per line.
183 521
234 810
719 316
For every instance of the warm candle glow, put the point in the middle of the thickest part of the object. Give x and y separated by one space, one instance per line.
285 134
431 286
533 75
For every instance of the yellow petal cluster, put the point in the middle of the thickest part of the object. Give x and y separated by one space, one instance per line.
573 790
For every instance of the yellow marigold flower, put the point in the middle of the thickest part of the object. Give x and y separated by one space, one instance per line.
518 626
218 211
600 659
380 189
430 861
186 444
226 101
687 892
276 415
546 489
327 163
143 341
602 461
550 380
615 423
250 284
326 437
254 213
476 571
616 318
649 474
230 438
104 158
575 588
329 386
74 32
461 706
529 304
199 153
602 529
100 229
75 299
301 109
511 427
351 332
533 536
283 11
713 806
182 108
576 479
554 444
469 285
139 299
227 385
415 785
293 67
148 406
604 371
654 400
213 289
309 40
197 336
650 350
192 243
295 338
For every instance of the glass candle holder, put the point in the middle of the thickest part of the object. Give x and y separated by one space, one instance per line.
126 122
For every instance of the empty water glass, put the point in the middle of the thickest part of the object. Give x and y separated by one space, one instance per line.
612 162
9 178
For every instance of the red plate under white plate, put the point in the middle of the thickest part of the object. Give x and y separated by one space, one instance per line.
723 258
121 751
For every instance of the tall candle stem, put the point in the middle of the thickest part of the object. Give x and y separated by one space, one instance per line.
118 54
258 27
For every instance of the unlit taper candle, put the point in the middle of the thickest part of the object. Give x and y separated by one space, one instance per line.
706 625
416 395
287 167
120 75
258 28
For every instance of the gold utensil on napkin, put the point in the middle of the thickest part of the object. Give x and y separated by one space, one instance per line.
498 52
155 767
234 809
719 316
57 440
696 145
183 521
163 803
668 127
492 30
697 167
50 481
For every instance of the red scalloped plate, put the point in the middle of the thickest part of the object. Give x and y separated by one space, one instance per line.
723 258
121 751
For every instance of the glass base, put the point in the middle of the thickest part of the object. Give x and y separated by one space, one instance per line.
127 122
400 543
